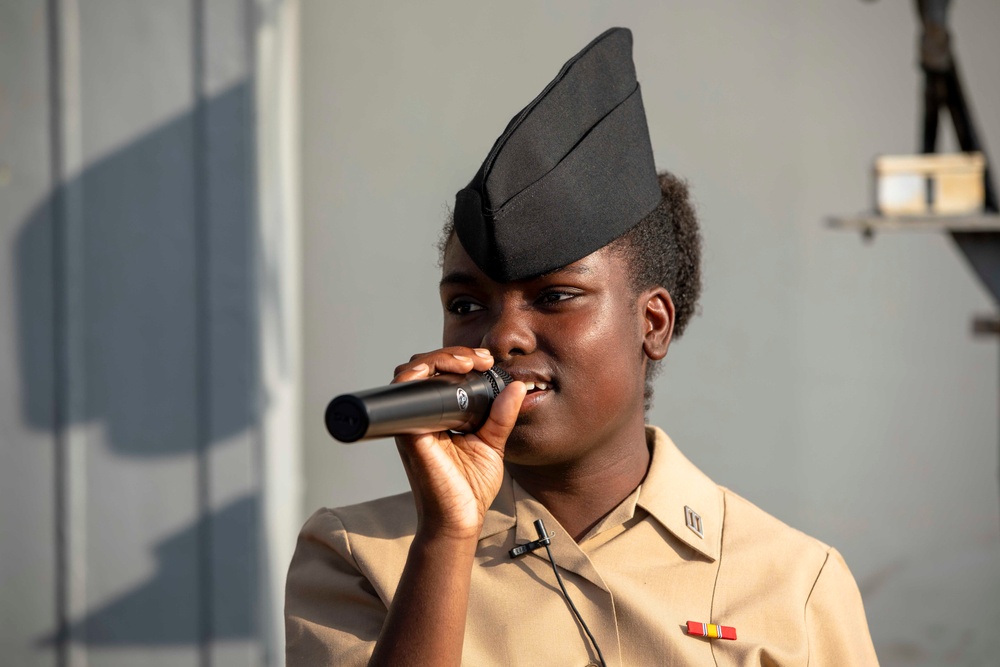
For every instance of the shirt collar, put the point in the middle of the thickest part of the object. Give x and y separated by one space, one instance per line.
672 485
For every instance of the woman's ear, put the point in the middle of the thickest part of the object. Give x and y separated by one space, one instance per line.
658 320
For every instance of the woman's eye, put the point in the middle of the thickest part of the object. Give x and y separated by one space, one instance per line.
463 307
555 297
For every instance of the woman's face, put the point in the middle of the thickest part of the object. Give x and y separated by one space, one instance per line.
577 333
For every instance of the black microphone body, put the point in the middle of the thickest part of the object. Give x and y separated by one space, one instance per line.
446 402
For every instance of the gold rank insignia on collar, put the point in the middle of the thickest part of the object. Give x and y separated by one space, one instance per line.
711 630
693 521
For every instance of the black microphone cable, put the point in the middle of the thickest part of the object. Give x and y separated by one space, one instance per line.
544 538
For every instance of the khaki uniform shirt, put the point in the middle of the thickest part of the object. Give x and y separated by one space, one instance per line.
637 578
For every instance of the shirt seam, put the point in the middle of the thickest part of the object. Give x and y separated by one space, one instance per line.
805 608
718 570
354 560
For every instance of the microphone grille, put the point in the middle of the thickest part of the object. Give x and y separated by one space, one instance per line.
495 374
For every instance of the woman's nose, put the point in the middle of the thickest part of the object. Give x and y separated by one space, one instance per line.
510 333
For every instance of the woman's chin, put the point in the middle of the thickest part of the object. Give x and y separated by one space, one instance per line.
530 445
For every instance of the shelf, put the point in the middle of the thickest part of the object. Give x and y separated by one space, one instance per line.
869 223
977 236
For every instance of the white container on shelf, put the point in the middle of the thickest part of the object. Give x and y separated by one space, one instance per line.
933 184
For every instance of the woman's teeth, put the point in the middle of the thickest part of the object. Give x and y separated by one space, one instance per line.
541 386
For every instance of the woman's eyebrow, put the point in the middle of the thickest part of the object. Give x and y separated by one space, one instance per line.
577 269
465 278
458 278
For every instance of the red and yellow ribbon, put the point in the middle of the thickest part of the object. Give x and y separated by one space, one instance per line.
711 630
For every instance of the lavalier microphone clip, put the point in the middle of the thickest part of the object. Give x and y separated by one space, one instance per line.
544 539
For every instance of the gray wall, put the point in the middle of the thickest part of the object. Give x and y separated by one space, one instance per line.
833 383
132 496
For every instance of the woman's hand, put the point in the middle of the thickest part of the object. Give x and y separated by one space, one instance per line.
455 477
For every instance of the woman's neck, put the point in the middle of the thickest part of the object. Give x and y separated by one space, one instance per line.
581 493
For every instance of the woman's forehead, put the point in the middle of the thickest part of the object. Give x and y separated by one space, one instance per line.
458 267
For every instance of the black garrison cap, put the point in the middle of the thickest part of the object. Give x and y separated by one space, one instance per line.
572 172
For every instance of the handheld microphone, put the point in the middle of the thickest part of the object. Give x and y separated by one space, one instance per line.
446 402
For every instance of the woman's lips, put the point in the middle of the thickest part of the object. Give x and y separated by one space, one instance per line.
539 385
538 392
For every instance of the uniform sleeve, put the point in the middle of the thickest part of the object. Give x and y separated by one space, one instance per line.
332 613
835 619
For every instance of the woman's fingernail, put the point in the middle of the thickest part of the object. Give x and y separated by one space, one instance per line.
461 358
419 368
485 354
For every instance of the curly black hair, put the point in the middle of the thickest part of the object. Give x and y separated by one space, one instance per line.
663 249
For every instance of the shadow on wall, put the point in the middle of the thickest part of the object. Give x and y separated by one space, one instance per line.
157 613
141 329
162 328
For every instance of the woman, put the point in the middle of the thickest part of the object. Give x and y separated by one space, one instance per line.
572 266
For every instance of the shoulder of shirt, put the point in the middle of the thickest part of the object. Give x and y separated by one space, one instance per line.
745 527
384 518
744 521
368 540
